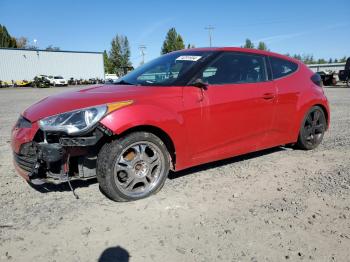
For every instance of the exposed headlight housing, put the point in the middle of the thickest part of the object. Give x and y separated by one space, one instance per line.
74 122
23 123
79 121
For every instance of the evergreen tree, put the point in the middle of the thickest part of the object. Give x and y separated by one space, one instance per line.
343 59
321 61
5 38
173 41
119 56
262 46
297 56
107 63
248 43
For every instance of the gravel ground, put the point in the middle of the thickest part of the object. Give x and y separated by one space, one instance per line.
276 205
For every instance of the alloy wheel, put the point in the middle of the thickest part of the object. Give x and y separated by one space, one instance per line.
314 127
138 168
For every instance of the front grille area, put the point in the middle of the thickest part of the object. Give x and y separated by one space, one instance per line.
25 162
26 158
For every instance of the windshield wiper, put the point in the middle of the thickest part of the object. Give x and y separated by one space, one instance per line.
123 82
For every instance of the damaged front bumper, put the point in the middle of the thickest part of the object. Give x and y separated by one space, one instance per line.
56 157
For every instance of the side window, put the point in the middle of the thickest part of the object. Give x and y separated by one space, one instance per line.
235 68
281 67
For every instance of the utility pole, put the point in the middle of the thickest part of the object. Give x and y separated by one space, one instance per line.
210 28
142 49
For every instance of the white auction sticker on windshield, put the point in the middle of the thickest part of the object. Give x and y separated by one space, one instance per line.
188 58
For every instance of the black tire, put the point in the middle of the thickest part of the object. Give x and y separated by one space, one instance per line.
109 163
312 129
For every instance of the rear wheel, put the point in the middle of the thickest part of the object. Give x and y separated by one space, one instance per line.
133 167
312 129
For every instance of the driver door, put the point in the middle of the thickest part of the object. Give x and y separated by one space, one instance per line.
236 111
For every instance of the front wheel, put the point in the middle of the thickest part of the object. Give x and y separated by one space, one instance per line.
312 129
133 167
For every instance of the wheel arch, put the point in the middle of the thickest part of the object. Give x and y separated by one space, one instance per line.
164 136
304 109
325 111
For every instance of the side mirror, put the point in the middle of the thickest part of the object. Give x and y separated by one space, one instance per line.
200 84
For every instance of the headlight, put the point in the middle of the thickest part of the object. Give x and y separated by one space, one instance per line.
23 123
75 121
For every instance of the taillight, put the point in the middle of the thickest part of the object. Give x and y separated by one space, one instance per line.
317 80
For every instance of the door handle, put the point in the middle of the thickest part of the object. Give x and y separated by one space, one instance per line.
268 96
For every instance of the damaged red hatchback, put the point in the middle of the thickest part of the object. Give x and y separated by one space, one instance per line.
180 110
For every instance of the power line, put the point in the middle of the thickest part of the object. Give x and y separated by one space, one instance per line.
210 28
142 49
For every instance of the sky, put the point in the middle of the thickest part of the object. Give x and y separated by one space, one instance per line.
319 28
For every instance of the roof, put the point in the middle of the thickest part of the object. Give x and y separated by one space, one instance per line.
245 50
43 50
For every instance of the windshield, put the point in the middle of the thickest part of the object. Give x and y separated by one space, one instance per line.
58 77
166 70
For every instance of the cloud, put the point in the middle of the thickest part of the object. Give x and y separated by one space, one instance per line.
152 28
278 38
283 37
338 25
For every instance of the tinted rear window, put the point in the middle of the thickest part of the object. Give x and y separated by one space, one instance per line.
281 67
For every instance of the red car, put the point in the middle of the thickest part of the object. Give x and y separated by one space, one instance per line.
182 109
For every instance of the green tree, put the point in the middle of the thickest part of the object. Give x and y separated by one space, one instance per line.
248 43
6 40
119 55
308 59
262 46
107 64
190 46
173 41
321 61
343 59
297 56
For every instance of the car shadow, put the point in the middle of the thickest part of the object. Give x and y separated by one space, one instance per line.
114 254
219 163
63 187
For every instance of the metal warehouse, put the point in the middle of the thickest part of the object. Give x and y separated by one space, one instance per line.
23 64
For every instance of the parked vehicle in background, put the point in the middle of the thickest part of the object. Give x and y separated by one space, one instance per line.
344 75
110 78
57 81
7 83
72 81
41 81
182 109
328 77
22 83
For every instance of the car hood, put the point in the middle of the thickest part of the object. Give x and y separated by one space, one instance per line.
97 95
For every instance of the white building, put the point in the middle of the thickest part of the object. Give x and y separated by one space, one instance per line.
335 67
23 64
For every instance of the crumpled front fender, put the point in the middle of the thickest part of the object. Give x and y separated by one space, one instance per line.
155 116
